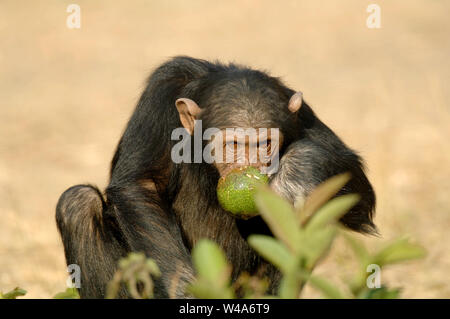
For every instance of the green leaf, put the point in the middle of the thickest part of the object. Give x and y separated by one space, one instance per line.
316 244
210 263
70 293
332 211
398 251
328 289
13 294
152 267
380 293
279 215
204 290
322 193
273 251
290 286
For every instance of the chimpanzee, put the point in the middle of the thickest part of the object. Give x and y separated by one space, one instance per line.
162 208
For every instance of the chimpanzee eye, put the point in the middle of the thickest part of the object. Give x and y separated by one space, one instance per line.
232 146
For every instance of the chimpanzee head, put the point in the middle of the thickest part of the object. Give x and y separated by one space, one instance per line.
252 114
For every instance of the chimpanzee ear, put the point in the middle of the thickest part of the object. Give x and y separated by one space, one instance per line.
188 111
295 102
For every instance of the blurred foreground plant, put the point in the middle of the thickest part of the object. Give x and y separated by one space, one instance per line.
135 272
303 236
69 293
13 294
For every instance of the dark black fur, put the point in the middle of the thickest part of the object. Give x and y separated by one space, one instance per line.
163 209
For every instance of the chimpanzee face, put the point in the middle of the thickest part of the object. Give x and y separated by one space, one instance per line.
240 145
237 147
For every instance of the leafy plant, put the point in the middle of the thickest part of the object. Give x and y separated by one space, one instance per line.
397 251
13 294
213 272
69 293
135 272
303 236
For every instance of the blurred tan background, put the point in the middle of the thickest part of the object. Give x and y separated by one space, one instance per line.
66 95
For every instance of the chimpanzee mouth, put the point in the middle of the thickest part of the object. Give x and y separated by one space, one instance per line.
254 225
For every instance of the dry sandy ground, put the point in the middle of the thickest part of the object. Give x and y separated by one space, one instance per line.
65 96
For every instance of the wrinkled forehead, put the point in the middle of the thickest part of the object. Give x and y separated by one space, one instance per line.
249 135
240 117
245 101
245 112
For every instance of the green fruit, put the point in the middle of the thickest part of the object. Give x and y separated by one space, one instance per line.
236 191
